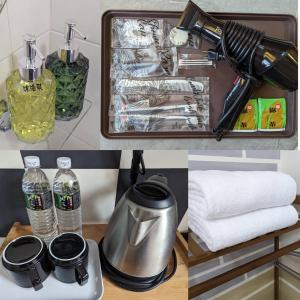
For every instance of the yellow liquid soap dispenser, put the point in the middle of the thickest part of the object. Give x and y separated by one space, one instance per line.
31 96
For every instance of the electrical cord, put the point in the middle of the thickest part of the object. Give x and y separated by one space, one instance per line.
238 46
133 283
2 5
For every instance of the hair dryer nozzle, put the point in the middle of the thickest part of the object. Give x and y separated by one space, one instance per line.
189 16
197 21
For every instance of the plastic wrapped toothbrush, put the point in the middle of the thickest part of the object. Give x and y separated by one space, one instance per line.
157 123
162 104
162 86
151 62
138 63
137 33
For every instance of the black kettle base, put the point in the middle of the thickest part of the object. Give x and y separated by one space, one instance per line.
135 284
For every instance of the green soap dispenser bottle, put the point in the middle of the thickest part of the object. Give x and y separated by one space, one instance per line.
70 68
31 94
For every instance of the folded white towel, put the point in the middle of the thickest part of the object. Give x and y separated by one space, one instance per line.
220 194
223 233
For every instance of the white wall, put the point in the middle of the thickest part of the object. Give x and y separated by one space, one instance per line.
18 18
290 163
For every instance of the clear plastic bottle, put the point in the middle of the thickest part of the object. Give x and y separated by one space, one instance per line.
39 202
66 191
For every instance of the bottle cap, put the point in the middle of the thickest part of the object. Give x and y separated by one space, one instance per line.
31 64
70 51
64 163
32 162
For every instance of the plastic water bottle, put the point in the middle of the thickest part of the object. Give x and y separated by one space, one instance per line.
39 202
67 197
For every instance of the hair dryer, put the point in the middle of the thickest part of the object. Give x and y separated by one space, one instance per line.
255 57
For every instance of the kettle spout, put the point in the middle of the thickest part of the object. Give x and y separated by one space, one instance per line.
139 228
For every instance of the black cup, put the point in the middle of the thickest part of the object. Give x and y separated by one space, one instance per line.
68 254
27 261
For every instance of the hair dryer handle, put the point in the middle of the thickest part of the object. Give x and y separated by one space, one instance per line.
234 103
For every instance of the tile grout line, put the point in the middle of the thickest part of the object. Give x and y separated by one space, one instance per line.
71 134
10 36
10 56
240 284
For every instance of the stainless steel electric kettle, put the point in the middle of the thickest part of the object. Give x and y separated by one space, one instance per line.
141 234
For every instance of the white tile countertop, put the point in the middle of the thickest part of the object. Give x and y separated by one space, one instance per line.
253 6
66 136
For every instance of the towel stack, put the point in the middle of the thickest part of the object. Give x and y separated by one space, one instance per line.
228 208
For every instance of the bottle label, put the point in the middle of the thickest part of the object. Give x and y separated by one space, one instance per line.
32 87
67 202
39 201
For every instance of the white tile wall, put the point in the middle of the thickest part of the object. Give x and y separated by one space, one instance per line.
46 20
85 12
5 69
27 16
76 143
5 48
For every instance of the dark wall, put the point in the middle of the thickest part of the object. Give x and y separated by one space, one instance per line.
80 159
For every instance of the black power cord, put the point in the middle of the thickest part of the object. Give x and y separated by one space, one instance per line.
135 284
137 166
2 5
238 46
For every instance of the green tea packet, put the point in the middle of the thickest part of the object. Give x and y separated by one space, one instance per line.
272 114
248 119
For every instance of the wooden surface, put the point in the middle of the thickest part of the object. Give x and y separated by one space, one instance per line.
200 256
175 289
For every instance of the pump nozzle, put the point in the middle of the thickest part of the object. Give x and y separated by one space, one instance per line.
80 33
69 52
31 65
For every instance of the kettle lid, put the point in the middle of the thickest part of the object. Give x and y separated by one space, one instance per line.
151 194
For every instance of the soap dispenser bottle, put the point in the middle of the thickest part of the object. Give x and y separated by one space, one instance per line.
31 94
70 68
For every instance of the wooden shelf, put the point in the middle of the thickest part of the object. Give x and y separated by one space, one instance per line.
297 201
199 256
